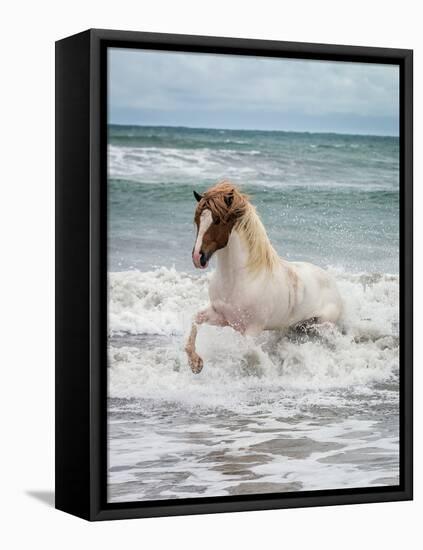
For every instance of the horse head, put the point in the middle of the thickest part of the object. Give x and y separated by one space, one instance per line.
218 210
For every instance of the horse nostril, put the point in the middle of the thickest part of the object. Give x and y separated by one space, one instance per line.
203 258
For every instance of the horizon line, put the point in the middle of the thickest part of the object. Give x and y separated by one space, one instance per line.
327 132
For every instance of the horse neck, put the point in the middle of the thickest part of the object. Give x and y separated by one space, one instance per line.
234 257
248 248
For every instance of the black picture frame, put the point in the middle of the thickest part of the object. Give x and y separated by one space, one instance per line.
81 273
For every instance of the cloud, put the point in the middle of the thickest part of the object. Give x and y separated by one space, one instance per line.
169 88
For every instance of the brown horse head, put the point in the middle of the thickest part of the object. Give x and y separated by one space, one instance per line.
218 210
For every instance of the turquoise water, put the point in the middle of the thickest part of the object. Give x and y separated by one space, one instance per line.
327 198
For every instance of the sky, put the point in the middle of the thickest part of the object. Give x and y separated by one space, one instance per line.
242 92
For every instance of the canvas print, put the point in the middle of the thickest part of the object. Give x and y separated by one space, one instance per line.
253 275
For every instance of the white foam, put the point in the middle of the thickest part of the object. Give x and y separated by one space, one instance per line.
158 164
242 371
154 302
155 164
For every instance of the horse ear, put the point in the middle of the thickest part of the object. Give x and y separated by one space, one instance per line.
229 199
197 196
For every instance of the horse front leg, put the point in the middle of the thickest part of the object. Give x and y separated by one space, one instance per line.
211 317
194 360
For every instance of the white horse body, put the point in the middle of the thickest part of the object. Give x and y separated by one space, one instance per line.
253 289
291 293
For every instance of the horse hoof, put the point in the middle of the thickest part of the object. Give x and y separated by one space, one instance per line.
196 364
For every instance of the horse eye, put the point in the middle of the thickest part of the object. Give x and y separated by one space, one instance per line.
216 221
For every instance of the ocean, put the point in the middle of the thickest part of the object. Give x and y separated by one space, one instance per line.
280 412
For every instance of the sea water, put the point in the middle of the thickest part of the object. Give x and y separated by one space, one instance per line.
283 411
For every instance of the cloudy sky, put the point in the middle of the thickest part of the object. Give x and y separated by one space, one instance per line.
216 91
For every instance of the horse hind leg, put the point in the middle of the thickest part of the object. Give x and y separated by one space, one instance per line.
330 314
308 326
328 317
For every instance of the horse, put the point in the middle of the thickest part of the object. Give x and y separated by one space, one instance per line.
252 288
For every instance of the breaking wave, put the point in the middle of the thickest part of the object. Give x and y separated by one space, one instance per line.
150 315
272 169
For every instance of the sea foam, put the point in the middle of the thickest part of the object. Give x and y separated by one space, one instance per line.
150 315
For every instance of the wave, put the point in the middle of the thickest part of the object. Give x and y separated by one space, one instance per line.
156 164
271 168
150 315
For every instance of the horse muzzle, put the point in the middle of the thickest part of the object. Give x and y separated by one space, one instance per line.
201 259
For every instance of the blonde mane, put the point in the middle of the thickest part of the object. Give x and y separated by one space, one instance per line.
262 255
